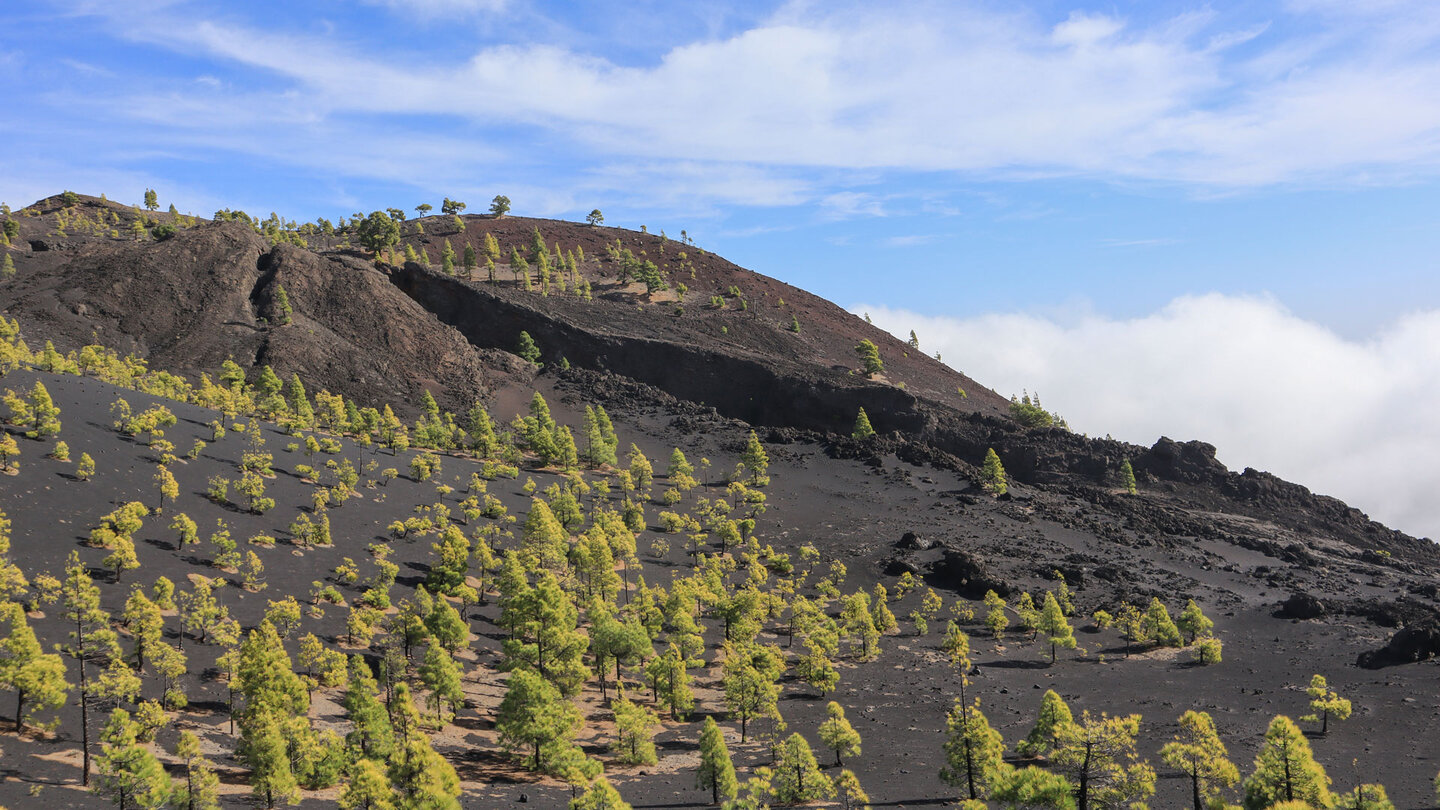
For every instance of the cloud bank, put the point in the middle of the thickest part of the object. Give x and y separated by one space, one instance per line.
1352 419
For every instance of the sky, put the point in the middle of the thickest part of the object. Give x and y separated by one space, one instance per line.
1202 220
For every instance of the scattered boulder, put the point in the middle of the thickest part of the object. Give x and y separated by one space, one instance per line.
966 574
1301 606
1407 646
899 568
911 541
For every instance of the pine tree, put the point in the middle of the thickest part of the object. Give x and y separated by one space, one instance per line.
368 787
447 259
956 647
880 614
372 735
1098 755
441 676
470 261
755 461
670 681
1325 703
1054 714
91 640
837 734
681 473
533 717
717 772
299 402
995 619
1286 770
992 474
9 449
1208 650
129 773
973 750
600 795
45 415
862 429
168 486
641 471
421 777
543 541
142 618
282 304
526 348
7 270
1193 622
1157 625
869 355
152 200
634 733
201 787
1053 624
797 778
1198 752
1127 477
37 678
1364 797
264 748
1026 615
852 796
1032 787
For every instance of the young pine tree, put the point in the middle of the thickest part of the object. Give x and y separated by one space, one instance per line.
1325 703
634 733
1054 714
130 775
797 778
1098 755
973 750
992 474
526 348
862 429
1198 753
716 772
869 355
1127 477
1053 625
534 717
1193 622
837 734
1286 770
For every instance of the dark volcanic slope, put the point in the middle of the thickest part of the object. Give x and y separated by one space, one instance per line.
680 374
856 511
388 334
206 295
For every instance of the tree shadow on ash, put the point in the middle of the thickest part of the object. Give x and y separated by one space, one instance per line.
1016 664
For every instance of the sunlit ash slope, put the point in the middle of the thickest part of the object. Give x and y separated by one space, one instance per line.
1297 583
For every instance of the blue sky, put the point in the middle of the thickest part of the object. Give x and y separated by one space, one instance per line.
1070 163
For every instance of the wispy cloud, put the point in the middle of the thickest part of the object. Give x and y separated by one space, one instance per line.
433 9
911 240
1347 96
1271 390
1127 243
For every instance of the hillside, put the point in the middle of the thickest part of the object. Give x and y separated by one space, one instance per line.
1296 584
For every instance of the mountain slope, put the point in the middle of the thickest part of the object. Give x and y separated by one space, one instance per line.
1242 544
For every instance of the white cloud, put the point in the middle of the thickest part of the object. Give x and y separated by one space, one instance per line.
438 9
912 240
1270 390
917 86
